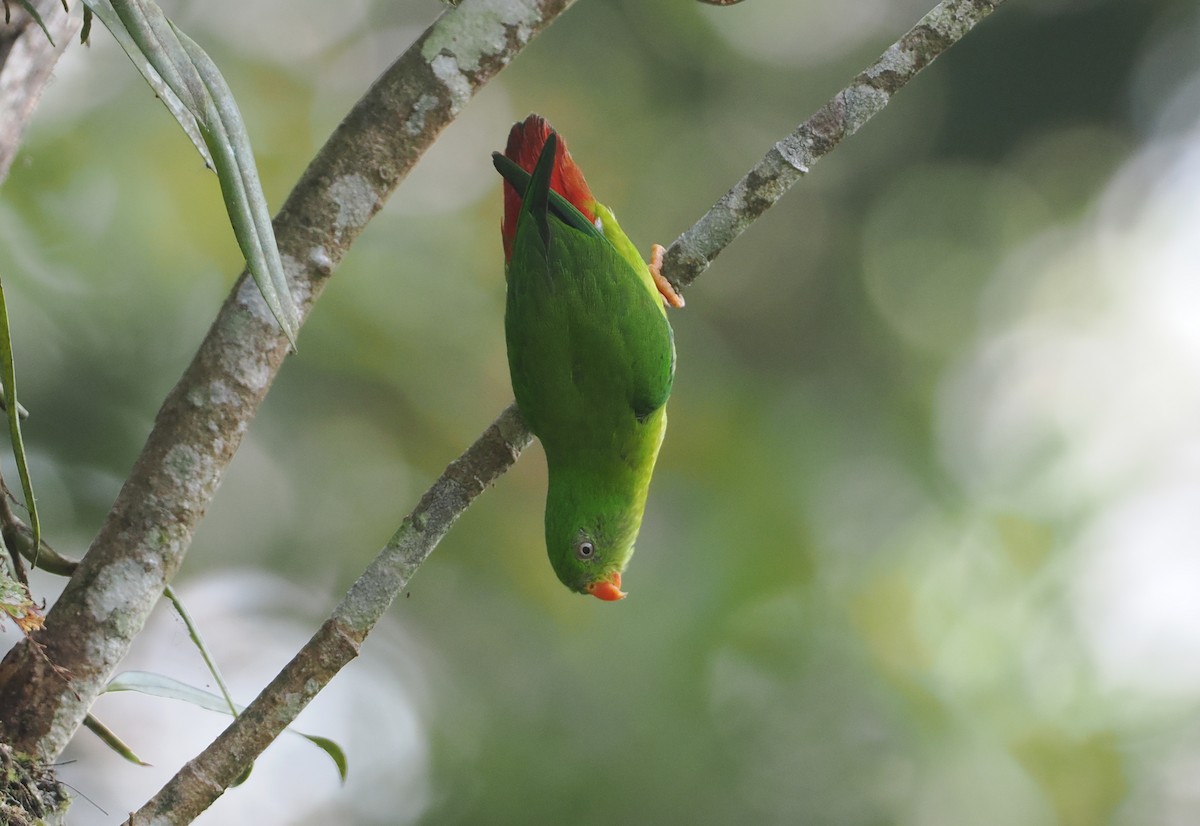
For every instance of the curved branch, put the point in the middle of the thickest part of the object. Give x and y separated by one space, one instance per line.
201 423
337 642
194 788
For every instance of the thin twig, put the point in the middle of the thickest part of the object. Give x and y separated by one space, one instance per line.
337 642
791 158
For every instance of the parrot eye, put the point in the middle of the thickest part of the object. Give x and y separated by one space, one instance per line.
585 550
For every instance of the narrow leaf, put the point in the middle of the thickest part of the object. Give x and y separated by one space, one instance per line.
37 18
159 685
209 114
111 740
9 378
108 16
194 633
332 749
244 198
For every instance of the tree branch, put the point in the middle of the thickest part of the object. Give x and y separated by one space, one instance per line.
27 58
337 642
791 158
202 421
194 788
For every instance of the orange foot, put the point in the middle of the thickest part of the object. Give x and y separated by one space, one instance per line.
664 286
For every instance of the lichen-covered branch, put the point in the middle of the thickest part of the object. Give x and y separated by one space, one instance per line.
206 777
194 788
789 159
27 58
200 425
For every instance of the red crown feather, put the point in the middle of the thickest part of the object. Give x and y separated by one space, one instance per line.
525 142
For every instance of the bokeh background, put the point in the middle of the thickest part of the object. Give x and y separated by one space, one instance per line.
923 546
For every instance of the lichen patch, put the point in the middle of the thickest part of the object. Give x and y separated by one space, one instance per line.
356 200
414 124
471 38
458 85
120 587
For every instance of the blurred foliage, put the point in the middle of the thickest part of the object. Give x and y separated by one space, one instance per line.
885 574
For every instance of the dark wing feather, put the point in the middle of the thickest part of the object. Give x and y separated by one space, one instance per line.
559 206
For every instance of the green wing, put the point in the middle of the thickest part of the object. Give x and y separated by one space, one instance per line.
590 351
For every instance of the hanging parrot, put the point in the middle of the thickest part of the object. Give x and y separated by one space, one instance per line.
590 352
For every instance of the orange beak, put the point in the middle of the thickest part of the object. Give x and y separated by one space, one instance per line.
608 590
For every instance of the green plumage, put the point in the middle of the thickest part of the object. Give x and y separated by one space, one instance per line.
592 358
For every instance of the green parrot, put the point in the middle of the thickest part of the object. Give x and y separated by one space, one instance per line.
590 352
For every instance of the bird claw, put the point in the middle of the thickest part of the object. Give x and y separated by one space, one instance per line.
668 291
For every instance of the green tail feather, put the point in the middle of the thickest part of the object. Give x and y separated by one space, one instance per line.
536 201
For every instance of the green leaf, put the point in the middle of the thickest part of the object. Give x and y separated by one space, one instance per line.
200 99
108 16
111 740
32 12
333 750
194 633
229 143
159 685
9 378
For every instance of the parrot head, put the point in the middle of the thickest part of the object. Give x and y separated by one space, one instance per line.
590 536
